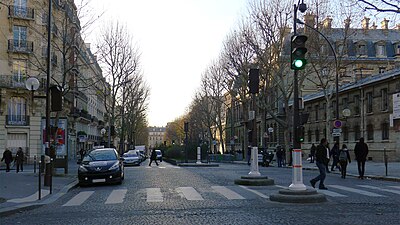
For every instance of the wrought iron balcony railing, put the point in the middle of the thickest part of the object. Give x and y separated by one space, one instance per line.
21 12
20 46
17 120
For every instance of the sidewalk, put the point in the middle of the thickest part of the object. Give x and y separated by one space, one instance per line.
373 170
21 190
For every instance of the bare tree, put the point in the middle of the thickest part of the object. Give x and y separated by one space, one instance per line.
381 5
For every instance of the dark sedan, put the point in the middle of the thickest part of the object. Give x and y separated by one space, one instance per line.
101 166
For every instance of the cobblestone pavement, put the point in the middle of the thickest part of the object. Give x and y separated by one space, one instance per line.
173 195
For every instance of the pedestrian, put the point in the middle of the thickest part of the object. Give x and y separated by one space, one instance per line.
329 155
19 159
82 153
153 157
7 157
290 155
335 156
361 153
312 153
344 158
248 155
279 155
322 159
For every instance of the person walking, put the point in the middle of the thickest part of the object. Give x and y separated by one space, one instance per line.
322 159
312 153
361 153
344 158
335 156
153 157
7 157
279 156
19 159
82 153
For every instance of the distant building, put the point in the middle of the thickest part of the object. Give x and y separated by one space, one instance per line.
156 136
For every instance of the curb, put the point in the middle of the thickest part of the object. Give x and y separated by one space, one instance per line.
28 206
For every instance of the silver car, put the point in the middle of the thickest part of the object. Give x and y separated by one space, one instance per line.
131 158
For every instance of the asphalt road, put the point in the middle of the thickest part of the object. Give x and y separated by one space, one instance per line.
172 195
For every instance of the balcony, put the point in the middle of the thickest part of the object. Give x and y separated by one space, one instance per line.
17 120
20 46
12 81
21 12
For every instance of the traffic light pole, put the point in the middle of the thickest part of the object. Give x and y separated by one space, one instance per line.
297 172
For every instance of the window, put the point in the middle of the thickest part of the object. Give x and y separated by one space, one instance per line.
370 132
362 49
382 70
325 134
369 102
342 72
19 34
384 99
334 109
17 111
20 9
309 136
380 50
385 131
356 104
19 72
345 133
339 49
324 72
345 103
324 110
397 48
316 112
317 136
357 133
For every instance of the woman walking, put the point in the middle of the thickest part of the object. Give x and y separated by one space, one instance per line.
344 158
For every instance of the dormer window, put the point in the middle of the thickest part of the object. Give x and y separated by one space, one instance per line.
380 50
362 49
397 48
340 50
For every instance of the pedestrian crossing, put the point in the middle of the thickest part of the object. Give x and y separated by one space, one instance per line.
217 193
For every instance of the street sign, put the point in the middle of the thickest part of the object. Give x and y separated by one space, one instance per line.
337 130
336 134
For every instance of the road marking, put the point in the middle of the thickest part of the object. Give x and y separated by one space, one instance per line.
331 193
154 195
79 198
255 192
381 189
116 196
30 198
358 191
227 193
190 193
398 187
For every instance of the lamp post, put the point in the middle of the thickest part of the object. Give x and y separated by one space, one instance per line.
336 69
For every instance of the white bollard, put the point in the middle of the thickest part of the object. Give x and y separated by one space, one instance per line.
198 155
254 163
297 172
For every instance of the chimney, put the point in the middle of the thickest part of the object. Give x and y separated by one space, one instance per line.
327 23
309 19
347 23
365 23
385 24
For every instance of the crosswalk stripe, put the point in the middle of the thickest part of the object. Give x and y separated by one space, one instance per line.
154 195
331 193
79 198
254 191
116 196
381 189
358 191
190 193
227 193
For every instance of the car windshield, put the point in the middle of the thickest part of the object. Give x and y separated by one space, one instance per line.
130 155
100 155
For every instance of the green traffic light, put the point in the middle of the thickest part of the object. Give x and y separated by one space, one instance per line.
298 63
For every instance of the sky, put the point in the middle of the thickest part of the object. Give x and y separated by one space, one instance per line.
177 39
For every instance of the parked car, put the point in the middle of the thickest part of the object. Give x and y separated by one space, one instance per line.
131 158
101 165
159 155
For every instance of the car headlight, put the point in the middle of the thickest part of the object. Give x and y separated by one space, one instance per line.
82 169
115 166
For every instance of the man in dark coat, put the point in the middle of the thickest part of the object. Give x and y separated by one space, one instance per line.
153 157
19 159
361 152
7 157
322 160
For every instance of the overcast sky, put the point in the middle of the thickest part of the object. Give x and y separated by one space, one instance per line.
177 39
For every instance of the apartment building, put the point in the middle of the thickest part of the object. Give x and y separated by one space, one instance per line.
156 136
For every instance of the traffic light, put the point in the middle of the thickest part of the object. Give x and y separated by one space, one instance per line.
300 134
298 52
56 98
254 81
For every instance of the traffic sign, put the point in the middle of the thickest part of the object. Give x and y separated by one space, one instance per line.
337 130
336 134
337 124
